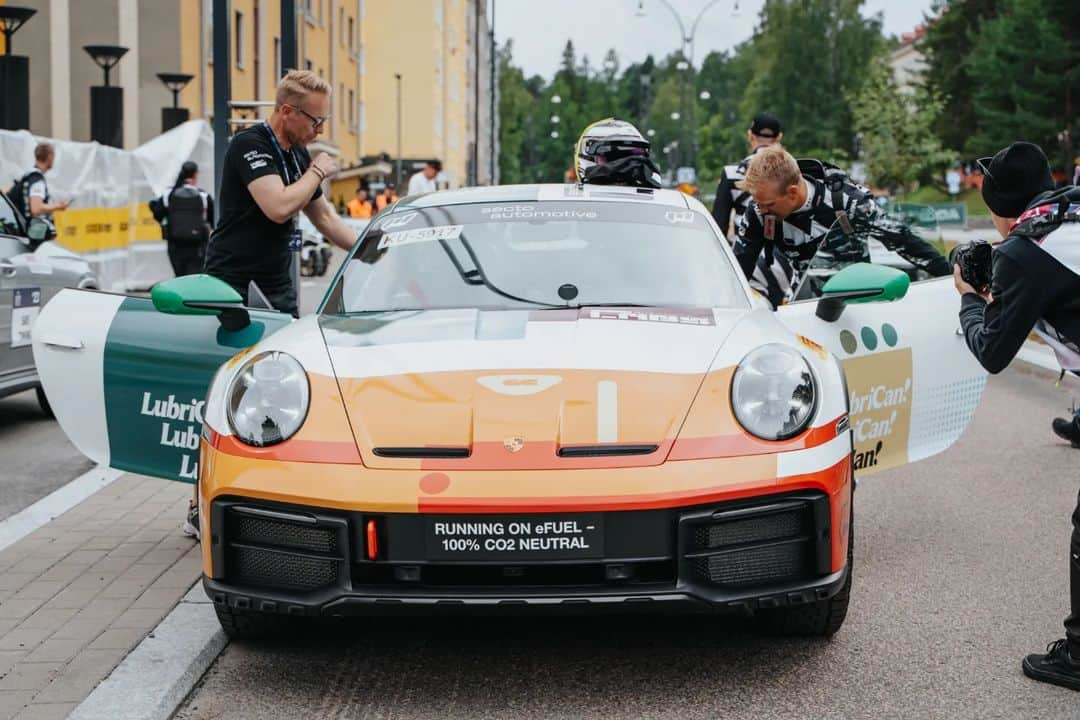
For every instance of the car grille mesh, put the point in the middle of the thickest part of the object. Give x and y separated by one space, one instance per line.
263 531
267 568
278 553
755 549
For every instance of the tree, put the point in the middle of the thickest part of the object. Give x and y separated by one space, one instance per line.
949 42
809 54
515 103
1024 90
898 141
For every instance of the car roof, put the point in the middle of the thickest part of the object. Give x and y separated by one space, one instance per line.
542 193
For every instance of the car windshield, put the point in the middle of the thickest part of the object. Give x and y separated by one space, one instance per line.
532 255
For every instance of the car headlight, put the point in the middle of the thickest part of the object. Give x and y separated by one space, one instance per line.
773 392
267 400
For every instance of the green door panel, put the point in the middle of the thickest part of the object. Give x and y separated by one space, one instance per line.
157 369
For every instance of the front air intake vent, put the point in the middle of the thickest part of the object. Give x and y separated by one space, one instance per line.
578 451
423 453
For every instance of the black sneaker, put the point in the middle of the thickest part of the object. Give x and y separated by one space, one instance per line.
191 522
1056 666
1068 429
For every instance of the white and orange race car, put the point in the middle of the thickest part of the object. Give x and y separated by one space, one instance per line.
520 397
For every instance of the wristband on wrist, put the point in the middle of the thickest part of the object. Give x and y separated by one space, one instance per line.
317 171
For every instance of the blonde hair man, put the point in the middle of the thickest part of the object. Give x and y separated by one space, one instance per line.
268 179
791 213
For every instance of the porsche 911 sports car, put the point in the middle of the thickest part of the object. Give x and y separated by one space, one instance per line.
530 397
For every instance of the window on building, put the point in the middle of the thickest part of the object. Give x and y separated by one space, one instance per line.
341 26
308 65
341 102
256 41
277 59
352 36
238 45
352 109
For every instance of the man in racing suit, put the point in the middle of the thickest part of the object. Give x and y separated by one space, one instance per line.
1034 287
791 214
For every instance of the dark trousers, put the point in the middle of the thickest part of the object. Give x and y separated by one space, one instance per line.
186 258
1072 623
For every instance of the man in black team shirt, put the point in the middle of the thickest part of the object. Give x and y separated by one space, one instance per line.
268 178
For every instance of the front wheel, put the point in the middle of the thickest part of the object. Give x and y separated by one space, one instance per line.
250 626
821 618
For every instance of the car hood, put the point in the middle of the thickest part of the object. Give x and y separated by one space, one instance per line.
599 387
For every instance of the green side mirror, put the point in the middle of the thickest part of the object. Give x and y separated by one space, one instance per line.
201 295
861 282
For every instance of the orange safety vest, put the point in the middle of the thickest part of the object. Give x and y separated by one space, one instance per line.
384 199
358 208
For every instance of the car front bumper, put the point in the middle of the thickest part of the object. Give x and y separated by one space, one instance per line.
764 552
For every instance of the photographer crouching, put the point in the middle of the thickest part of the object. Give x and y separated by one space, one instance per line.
1029 283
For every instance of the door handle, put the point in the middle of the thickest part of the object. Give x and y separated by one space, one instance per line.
60 341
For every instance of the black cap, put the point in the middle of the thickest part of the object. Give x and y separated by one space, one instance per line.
1013 177
765 125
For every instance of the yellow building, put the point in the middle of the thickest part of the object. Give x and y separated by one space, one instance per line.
358 46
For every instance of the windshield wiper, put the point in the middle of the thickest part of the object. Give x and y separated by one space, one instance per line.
476 276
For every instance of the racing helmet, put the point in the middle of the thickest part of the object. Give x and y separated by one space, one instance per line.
606 141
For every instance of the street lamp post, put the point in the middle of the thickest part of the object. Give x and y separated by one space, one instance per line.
171 117
106 101
686 43
14 72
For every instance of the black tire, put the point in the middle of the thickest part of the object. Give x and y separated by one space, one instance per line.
44 402
816 619
250 626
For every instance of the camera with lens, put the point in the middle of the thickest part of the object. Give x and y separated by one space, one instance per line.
975 261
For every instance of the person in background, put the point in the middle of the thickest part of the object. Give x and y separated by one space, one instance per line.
730 198
186 214
387 196
424 181
30 193
360 205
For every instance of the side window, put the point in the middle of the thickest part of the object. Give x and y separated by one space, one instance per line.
10 220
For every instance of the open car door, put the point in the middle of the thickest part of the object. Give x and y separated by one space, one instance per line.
128 383
912 383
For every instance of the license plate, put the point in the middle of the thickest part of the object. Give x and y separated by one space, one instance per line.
494 538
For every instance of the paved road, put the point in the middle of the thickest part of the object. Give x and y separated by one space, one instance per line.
960 571
35 455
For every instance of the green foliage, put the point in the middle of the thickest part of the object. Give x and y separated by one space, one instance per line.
997 71
1021 90
898 142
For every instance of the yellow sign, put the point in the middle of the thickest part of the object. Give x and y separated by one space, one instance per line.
880 389
85 230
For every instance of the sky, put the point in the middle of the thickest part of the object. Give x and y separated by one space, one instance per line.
540 28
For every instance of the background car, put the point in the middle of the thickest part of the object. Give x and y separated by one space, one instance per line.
31 273
526 398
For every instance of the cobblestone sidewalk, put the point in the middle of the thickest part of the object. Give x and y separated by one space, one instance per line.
82 591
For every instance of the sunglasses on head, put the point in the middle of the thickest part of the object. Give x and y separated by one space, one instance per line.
984 166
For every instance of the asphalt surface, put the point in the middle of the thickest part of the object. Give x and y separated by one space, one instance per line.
960 570
35 455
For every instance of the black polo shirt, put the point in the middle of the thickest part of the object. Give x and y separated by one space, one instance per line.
247 245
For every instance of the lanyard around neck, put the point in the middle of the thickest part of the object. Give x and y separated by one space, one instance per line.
281 155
